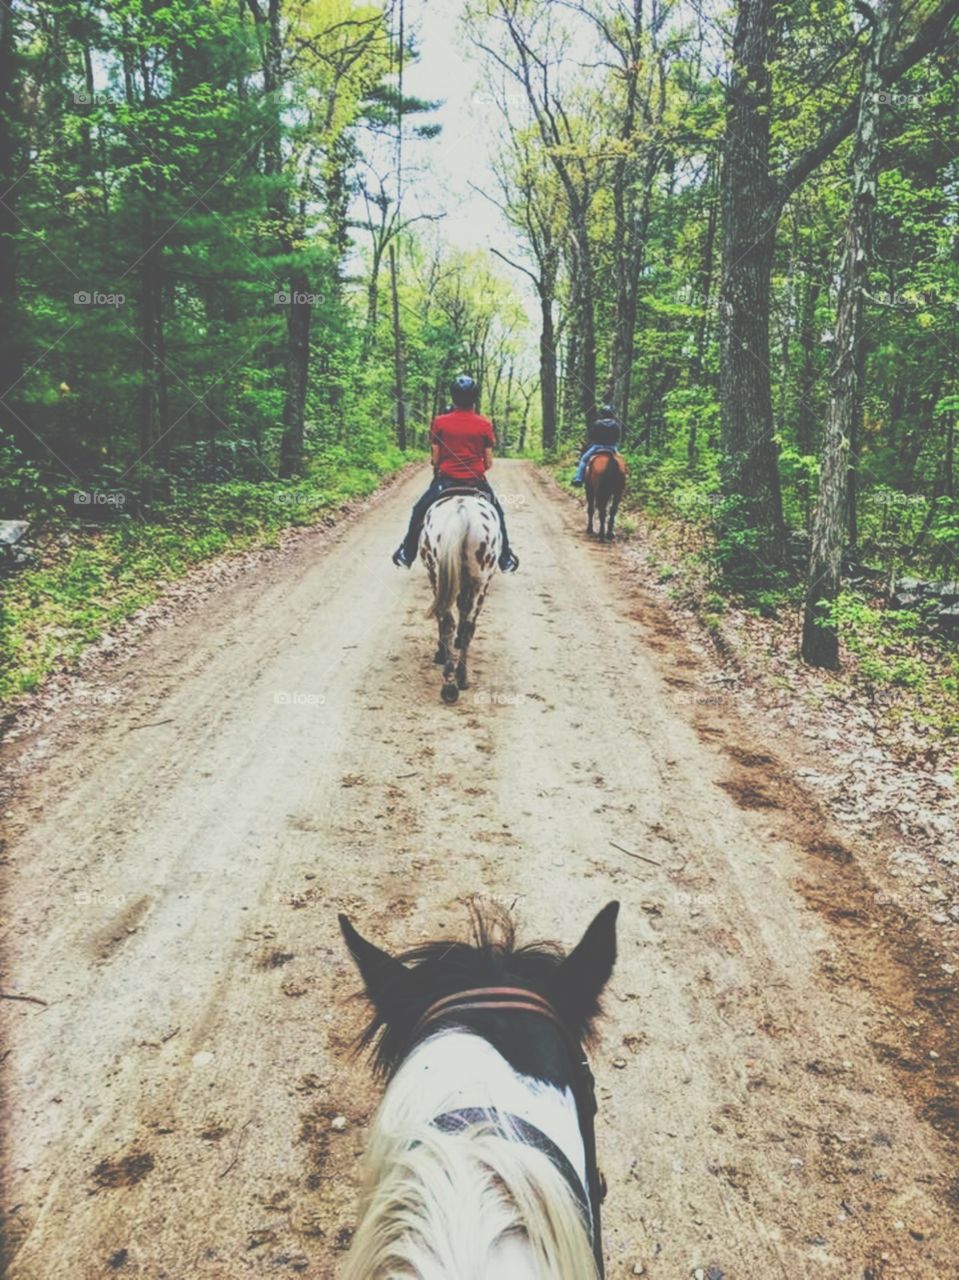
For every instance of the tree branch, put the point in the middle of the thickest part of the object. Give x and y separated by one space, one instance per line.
525 270
924 41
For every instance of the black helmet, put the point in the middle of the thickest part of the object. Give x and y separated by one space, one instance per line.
464 391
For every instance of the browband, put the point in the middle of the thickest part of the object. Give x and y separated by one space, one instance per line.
517 999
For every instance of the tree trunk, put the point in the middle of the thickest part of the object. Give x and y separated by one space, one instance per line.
705 301
750 464
11 356
820 641
586 320
397 354
547 371
297 375
806 408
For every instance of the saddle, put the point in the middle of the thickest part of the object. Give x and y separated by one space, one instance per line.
605 448
458 490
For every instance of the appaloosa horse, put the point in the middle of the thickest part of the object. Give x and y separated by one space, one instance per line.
460 546
605 483
481 1160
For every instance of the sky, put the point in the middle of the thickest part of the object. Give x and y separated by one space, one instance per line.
449 68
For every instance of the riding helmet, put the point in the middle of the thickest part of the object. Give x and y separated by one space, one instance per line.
464 391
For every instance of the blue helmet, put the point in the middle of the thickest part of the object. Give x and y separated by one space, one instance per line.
464 391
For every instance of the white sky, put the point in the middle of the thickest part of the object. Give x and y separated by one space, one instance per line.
449 68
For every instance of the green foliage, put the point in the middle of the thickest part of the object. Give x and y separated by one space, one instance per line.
886 644
88 581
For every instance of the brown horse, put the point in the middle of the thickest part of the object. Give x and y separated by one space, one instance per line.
605 483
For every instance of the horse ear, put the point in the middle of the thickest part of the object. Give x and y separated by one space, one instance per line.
587 968
383 975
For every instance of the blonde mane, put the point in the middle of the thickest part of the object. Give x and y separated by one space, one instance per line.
459 1206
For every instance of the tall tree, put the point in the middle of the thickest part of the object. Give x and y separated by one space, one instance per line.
751 472
820 641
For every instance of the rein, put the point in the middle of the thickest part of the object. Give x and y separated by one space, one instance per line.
521 1000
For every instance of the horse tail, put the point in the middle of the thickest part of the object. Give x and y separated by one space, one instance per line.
449 561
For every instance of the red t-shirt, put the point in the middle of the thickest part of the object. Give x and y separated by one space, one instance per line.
463 437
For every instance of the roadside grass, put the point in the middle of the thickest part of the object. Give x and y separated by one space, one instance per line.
87 579
907 675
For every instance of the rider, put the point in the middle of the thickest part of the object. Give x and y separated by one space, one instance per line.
461 447
605 433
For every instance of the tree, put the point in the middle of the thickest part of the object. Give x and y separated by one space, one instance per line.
820 641
753 200
751 473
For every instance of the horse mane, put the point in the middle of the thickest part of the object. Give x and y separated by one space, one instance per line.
411 1220
490 958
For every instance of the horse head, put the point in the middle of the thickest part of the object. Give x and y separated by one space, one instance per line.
485 1041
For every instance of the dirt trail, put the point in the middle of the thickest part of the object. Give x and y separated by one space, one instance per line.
178 856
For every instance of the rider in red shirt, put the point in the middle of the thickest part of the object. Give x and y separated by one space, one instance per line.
461 447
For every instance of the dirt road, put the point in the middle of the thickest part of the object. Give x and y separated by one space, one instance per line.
181 848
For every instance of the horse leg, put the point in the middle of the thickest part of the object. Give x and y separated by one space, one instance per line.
614 507
602 518
468 626
449 691
466 631
590 505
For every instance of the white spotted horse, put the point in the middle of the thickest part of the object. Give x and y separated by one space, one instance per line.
481 1160
460 546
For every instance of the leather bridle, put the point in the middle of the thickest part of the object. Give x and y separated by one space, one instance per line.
522 1000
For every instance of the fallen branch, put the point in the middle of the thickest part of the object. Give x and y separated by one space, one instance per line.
641 856
236 1149
29 999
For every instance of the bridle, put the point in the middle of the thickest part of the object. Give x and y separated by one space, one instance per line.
522 1000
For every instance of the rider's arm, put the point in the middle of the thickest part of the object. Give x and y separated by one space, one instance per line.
487 458
435 454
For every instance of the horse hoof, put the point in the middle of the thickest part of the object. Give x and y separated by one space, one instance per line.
439 657
449 693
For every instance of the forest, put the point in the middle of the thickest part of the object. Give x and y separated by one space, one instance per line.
227 303
402 876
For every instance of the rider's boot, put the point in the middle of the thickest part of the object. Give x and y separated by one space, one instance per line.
509 561
402 557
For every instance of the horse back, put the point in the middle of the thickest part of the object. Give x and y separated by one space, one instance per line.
606 473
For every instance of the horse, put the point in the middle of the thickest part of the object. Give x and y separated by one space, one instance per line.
605 482
460 546
481 1159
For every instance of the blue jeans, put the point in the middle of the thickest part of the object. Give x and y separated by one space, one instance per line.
591 453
